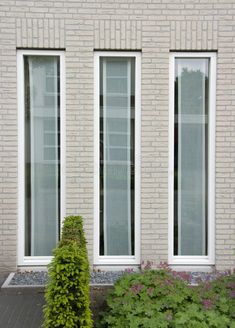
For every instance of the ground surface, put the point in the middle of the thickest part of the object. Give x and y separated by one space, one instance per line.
21 311
22 307
40 278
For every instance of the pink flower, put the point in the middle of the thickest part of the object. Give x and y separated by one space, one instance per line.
150 291
164 266
232 294
207 304
182 275
147 266
136 288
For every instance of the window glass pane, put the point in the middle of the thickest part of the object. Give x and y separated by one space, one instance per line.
191 156
42 154
117 117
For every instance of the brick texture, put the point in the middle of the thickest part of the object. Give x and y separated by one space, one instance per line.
40 33
117 34
155 27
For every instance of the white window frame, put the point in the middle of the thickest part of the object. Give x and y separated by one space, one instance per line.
103 259
22 259
210 258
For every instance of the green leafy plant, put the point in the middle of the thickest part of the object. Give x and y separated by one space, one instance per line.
218 299
67 292
158 298
73 230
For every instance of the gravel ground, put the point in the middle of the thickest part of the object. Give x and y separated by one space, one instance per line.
40 278
29 278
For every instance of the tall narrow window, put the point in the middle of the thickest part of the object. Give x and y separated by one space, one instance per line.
117 146
193 121
118 113
42 153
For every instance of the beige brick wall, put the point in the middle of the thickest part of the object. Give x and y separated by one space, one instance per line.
155 27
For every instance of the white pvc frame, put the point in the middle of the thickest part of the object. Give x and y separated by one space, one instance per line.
116 260
22 259
210 258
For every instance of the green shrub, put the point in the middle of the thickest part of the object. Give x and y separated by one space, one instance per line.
155 299
73 230
67 292
218 298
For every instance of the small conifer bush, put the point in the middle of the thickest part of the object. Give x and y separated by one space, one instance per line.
67 292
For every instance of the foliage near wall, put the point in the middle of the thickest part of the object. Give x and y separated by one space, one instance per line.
67 293
160 299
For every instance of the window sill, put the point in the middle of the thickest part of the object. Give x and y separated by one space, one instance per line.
191 261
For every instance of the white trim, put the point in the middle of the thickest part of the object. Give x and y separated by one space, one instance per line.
193 260
211 157
193 268
62 139
117 260
36 260
21 173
